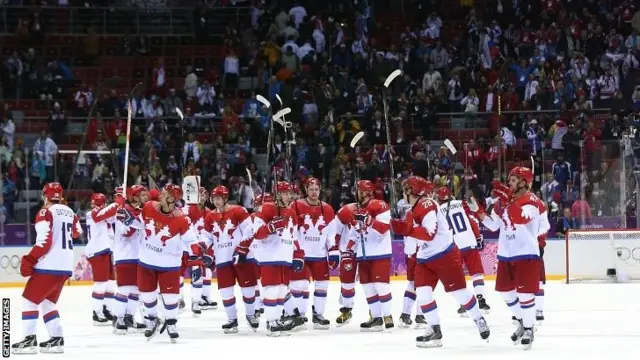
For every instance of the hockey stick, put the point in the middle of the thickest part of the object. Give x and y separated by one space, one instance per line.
128 135
453 150
356 174
278 119
392 173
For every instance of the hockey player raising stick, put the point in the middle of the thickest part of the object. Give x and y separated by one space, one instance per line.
125 251
279 253
370 239
438 259
317 238
167 233
48 266
99 252
468 238
518 273
229 227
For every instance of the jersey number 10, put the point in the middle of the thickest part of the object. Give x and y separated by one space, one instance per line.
67 231
458 225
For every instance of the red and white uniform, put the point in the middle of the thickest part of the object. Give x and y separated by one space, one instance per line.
56 226
225 230
277 248
100 232
466 233
375 242
316 233
342 224
196 215
127 240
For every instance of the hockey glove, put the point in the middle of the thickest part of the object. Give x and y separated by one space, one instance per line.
193 260
298 260
26 265
196 274
208 260
347 260
541 252
480 243
334 257
473 206
363 220
240 254
197 249
276 225
124 216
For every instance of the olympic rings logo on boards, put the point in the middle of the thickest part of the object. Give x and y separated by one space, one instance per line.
626 254
10 264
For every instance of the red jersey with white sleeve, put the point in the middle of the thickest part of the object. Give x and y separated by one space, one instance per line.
127 240
520 223
316 233
56 226
375 242
276 248
196 215
431 231
226 230
99 232
167 237
463 225
342 224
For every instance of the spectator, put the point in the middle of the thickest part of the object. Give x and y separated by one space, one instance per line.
231 70
190 83
48 151
191 150
565 223
8 133
206 95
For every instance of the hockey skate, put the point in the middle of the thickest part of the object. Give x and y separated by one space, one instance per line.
345 316
373 325
482 304
277 328
107 314
405 321
132 325
205 304
119 326
181 305
153 327
295 322
27 346
517 335
195 309
421 323
462 312
388 322
55 345
254 322
527 338
231 327
432 338
100 320
319 322
171 328
483 329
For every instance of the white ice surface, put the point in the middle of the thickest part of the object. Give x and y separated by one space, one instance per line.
592 321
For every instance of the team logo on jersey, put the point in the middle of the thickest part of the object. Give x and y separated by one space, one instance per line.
158 230
220 228
308 224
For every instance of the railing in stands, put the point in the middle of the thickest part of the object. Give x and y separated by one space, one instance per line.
59 20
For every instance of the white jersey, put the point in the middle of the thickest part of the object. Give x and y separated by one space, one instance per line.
464 227
55 226
316 231
277 248
100 233
254 248
226 230
375 242
437 239
127 242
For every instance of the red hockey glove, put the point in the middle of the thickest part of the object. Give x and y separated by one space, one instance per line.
27 265
362 220
276 225
240 253
474 207
334 257
197 249
347 260
298 260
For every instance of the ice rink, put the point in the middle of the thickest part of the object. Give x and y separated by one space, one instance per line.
586 320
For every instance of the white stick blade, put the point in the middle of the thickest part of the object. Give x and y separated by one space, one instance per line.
392 77
450 146
180 114
263 101
249 176
533 166
279 99
356 138
281 113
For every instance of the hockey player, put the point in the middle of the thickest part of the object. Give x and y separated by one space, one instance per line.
279 253
518 270
348 266
98 252
370 239
438 259
125 251
196 214
317 238
227 227
468 238
253 257
542 242
48 265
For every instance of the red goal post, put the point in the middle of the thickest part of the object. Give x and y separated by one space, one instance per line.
608 255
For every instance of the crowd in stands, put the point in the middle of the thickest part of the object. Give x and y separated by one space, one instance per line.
549 68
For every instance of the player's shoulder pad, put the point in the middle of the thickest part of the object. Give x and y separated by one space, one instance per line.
376 207
44 214
423 207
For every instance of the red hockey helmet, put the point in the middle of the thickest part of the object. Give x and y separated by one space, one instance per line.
429 188
134 191
118 190
443 193
154 195
500 190
415 185
523 173
53 191
98 199
365 186
220 190
283 186
174 190
262 198
312 181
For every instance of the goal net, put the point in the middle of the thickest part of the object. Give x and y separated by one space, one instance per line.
603 255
